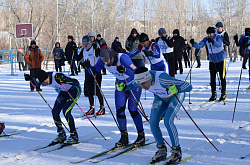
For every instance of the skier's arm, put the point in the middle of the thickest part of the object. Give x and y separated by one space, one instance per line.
199 45
166 81
133 53
129 65
97 67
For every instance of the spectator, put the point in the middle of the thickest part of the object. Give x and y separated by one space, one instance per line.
70 53
34 58
197 53
20 59
58 56
179 44
186 53
79 49
131 43
116 44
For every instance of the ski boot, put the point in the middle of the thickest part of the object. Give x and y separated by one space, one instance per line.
176 155
91 110
61 137
223 96
101 110
140 141
123 140
2 126
73 139
161 154
213 97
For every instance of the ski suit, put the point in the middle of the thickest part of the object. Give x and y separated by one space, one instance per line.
120 97
165 102
157 60
64 101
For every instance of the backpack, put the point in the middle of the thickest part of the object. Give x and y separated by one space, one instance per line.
2 126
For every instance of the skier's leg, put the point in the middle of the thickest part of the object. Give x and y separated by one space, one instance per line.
120 103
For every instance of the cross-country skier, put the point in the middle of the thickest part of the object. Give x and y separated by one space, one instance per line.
151 52
2 126
63 101
164 88
220 31
217 60
88 53
121 66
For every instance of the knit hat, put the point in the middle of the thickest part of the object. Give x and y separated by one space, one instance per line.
161 31
41 75
210 30
32 42
143 37
219 24
85 40
176 31
98 35
134 31
91 34
142 75
57 43
71 37
104 54
116 38
247 32
102 41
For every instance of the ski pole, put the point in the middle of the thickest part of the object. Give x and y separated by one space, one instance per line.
194 122
192 66
190 78
104 99
238 86
47 103
83 111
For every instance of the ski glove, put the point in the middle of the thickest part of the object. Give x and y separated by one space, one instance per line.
121 50
147 53
192 41
121 68
210 40
236 37
87 64
60 79
173 89
121 86
27 77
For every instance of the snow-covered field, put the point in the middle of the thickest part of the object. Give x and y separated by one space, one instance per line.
26 113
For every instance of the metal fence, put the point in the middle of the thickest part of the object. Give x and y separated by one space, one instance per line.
11 57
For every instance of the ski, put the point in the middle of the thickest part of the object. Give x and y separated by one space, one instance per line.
208 103
129 149
11 134
243 157
179 162
102 153
152 163
65 145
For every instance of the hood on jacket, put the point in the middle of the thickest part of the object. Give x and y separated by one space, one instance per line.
57 43
176 31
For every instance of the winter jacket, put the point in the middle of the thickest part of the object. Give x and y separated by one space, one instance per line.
69 50
179 44
131 43
116 45
34 57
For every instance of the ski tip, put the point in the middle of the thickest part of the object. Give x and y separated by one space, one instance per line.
232 121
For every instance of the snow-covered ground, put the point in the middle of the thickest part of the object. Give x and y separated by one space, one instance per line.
26 113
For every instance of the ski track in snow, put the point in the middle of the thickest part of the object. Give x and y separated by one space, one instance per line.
26 113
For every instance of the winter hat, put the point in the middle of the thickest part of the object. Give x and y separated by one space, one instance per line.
219 24
41 75
32 42
134 31
247 32
71 37
85 40
161 31
142 75
143 37
57 43
102 41
104 54
116 38
98 35
210 30
91 34
176 31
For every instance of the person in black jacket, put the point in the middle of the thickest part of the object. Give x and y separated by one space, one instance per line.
179 44
243 49
186 53
71 53
116 44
